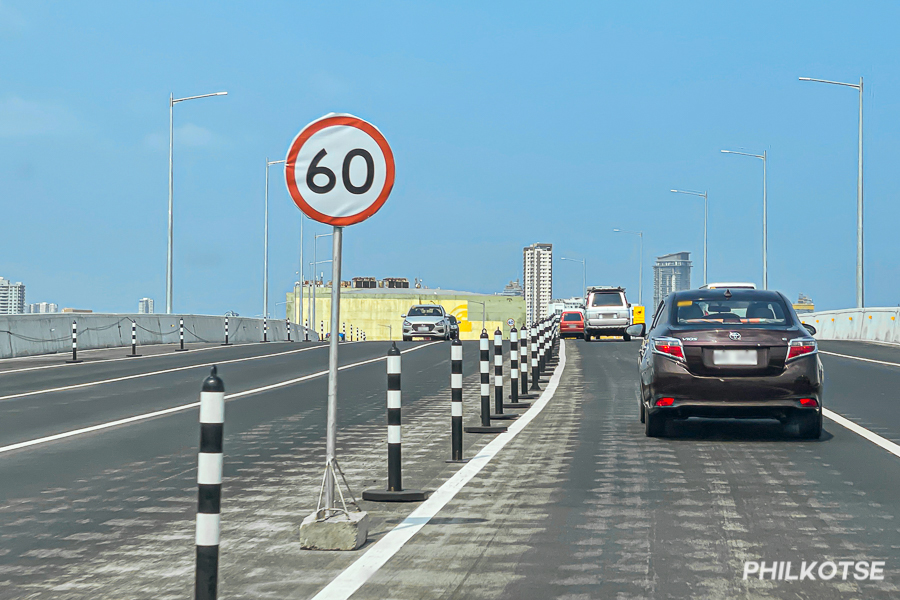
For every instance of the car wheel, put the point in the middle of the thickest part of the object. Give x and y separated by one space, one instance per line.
587 337
626 337
654 424
643 416
406 338
810 426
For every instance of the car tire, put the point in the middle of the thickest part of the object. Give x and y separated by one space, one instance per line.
643 415
810 426
406 338
587 337
654 424
626 337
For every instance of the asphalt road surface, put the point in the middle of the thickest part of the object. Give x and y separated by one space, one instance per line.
579 504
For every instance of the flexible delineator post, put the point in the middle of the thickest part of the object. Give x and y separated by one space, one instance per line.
74 344
498 372
456 400
395 491
133 339
288 329
514 365
226 332
265 329
209 483
535 373
484 363
523 359
181 333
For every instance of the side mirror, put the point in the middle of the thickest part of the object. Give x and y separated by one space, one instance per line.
810 329
636 330
403 316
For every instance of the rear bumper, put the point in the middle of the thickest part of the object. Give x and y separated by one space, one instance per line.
775 396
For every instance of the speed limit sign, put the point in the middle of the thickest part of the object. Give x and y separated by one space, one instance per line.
339 170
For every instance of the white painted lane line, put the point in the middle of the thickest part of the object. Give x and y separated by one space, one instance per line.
76 386
860 430
353 577
158 413
871 360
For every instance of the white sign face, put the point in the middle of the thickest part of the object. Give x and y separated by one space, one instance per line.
339 170
511 322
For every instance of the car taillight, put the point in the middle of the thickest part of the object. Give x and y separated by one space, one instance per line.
665 402
801 347
810 402
670 347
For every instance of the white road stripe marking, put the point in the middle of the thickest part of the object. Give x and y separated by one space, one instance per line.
862 431
76 386
353 577
159 413
106 360
871 360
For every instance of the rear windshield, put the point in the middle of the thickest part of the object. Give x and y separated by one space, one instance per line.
607 299
719 311
424 311
572 316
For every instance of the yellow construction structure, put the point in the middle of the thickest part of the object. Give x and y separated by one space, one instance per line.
377 311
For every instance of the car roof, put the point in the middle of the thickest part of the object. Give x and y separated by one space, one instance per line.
719 294
729 284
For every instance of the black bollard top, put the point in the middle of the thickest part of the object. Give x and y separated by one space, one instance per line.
498 332
456 342
393 351
484 333
513 328
213 383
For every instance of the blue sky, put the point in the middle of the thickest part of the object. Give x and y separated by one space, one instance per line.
510 123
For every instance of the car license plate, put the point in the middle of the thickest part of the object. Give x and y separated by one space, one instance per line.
422 328
735 357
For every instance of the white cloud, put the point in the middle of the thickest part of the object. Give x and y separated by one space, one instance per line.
21 118
185 135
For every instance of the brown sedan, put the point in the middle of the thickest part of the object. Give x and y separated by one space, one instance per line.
729 354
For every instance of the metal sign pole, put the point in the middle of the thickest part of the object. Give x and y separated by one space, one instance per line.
331 427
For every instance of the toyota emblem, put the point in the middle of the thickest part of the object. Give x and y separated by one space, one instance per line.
734 335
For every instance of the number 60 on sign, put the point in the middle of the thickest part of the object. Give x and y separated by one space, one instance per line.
339 170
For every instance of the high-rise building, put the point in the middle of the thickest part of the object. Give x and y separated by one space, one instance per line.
12 297
36 308
538 265
671 273
145 306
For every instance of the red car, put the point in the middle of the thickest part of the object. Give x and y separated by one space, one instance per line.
571 324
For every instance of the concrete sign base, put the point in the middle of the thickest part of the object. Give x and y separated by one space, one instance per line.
342 531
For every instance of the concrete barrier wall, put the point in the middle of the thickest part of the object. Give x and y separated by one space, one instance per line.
872 324
26 335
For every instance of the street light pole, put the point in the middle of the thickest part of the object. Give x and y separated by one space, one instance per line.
640 234
315 264
765 244
583 272
482 311
860 282
266 243
169 254
705 224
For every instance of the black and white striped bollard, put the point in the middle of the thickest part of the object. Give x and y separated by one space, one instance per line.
321 330
181 334
523 364
535 373
395 491
305 330
498 378
133 340
456 402
209 484
343 331
74 344
542 340
484 368
514 371
265 329
288 329
226 332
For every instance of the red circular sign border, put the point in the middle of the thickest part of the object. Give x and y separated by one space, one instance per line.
290 165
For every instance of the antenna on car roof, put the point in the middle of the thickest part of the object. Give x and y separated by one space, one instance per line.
728 293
